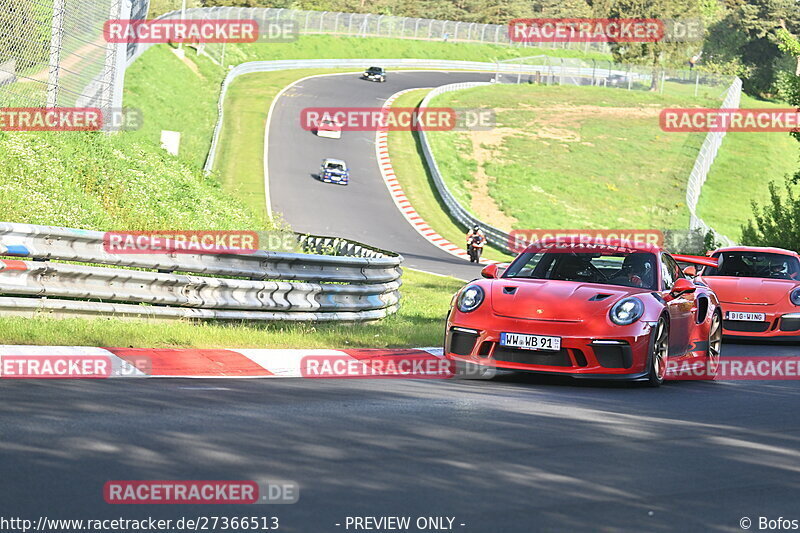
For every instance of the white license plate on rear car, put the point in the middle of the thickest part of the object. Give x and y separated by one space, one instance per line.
530 342
746 317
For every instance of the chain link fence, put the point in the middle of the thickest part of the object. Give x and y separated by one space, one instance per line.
548 70
708 152
370 25
53 52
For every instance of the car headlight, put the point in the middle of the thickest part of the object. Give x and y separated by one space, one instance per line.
627 311
470 298
794 296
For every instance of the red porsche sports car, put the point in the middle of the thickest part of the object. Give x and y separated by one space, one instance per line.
592 310
759 289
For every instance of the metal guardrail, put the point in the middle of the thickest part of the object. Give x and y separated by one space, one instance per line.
251 67
261 285
495 236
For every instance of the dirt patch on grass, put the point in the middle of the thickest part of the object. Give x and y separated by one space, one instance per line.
486 147
192 66
563 123
558 123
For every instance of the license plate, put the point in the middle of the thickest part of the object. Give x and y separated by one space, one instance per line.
745 317
530 342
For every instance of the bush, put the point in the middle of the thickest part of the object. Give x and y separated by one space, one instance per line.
775 224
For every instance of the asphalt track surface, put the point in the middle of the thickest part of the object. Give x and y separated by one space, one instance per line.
363 210
514 454
518 453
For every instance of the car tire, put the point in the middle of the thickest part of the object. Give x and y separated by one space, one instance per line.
714 346
659 350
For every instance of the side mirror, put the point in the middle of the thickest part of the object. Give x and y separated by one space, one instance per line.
690 271
490 271
682 286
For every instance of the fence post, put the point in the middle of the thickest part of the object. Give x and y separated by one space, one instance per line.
56 37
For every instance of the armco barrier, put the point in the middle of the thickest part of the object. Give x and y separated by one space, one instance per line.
252 67
361 283
495 236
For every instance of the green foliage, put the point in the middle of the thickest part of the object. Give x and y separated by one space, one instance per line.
775 224
710 242
746 39
656 53
95 181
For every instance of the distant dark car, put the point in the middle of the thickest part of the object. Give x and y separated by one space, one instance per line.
375 74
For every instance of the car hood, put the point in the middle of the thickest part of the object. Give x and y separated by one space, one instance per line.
553 299
336 172
732 289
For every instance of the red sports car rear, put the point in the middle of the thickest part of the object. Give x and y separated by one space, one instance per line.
759 289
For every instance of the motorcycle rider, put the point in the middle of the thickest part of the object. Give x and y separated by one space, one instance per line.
476 240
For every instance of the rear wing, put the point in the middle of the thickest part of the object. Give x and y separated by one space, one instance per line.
701 260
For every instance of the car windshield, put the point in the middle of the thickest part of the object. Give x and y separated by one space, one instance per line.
631 268
755 265
334 166
375 70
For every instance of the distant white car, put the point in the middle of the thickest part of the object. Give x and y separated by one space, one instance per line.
330 129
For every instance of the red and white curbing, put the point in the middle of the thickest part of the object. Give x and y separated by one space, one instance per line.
400 199
197 363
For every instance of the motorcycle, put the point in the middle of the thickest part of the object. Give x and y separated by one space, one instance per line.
475 248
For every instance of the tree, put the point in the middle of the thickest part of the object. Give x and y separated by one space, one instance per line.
653 54
745 41
775 224
787 85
